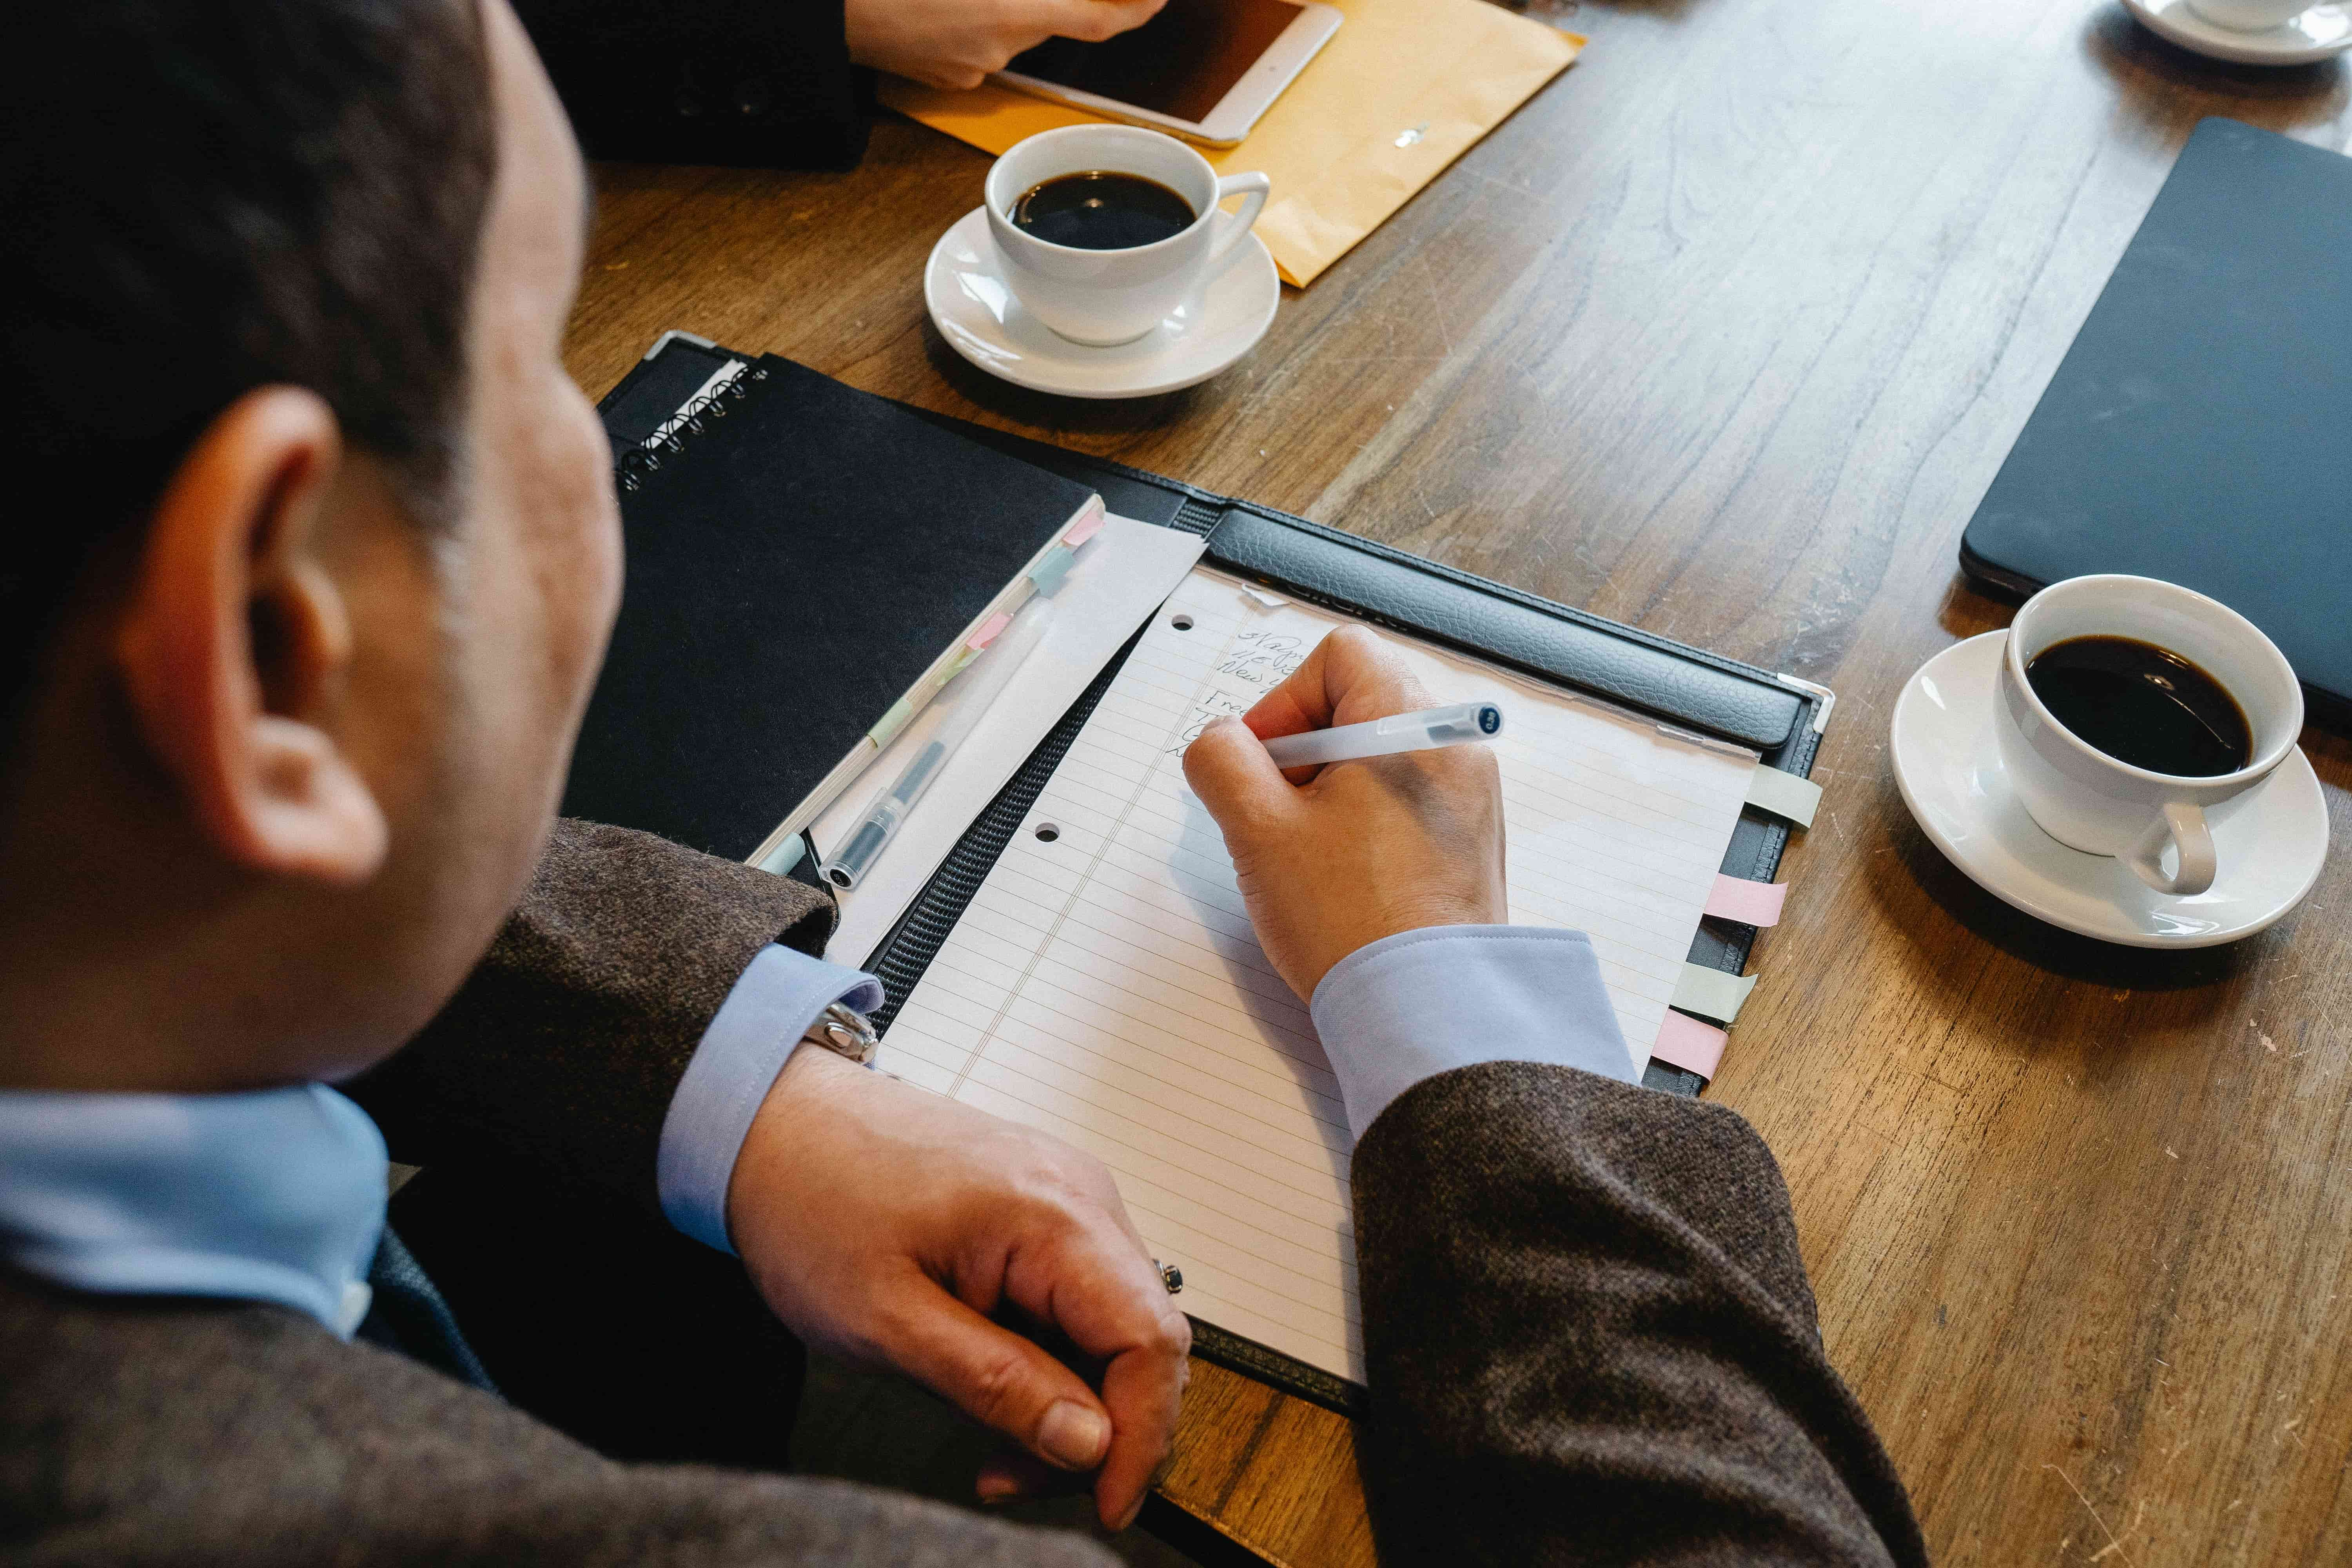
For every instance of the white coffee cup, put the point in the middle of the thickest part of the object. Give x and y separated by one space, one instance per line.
2250 15
1103 296
2090 801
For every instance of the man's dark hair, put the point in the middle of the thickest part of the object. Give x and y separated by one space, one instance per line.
198 197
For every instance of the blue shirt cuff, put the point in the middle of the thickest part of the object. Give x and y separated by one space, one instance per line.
779 995
1420 1003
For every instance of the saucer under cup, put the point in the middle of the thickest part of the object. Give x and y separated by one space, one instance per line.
2271 841
2310 35
981 318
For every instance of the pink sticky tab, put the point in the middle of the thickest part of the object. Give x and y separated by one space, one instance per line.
993 628
1688 1044
1086 527
1751 903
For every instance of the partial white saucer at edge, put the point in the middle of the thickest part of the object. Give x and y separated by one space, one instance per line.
981 320
2271 841
2318 33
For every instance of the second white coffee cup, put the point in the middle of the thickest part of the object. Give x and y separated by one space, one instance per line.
2088 800
1103 296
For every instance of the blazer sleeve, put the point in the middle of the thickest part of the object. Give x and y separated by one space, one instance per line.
1590 1338
560 1052
759 82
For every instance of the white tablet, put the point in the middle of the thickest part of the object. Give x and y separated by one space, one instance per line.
1202 70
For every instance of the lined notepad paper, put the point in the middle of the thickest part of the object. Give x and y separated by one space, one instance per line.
1105 985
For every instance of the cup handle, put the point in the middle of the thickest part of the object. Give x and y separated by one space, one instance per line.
2185 826
1252 189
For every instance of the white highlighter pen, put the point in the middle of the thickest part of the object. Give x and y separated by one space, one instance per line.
987 677
1422 731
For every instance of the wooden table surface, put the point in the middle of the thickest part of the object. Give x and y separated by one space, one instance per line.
1724 335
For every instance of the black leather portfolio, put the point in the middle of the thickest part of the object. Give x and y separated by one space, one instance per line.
2200 430
1780 718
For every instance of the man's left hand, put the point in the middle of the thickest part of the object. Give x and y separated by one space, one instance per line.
885 1225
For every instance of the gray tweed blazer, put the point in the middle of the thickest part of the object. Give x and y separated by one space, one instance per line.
1589 1332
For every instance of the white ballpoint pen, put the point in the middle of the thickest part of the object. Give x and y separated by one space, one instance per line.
1421 731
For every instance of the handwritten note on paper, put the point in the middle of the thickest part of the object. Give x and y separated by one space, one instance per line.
1254 662
1104 984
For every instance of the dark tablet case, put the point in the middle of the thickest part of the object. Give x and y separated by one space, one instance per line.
1685 685
2200 430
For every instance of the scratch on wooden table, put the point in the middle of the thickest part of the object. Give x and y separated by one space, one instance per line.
2113 1544
2117 1546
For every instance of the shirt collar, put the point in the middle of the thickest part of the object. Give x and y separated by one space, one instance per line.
271 1195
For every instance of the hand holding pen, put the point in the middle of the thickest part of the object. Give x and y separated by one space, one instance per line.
1355 854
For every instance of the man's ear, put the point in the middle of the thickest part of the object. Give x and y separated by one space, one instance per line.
236 640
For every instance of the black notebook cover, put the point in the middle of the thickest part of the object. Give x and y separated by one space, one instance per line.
2200 430
797 557
1700 690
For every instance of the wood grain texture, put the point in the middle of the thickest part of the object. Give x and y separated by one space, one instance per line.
1724 334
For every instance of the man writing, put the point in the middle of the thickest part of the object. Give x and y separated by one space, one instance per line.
291 689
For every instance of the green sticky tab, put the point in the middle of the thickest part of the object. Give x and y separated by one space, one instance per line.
892 722
1784 794
1712 993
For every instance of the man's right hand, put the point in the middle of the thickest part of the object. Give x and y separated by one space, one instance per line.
1330 860
955 42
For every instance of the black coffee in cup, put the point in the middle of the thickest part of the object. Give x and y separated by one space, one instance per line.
2142 704
1102 209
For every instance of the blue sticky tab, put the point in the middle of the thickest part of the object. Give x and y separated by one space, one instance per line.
1051 571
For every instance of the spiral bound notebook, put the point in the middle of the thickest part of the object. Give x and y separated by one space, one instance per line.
1217 1118
802 560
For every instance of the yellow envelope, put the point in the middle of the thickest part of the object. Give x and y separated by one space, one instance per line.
1404 89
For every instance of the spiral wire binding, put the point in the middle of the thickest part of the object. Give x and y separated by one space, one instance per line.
632 466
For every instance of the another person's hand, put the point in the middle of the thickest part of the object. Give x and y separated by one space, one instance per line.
1331 859
955 42
886 1226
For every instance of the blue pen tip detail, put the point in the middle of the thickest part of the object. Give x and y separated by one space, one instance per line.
1490 719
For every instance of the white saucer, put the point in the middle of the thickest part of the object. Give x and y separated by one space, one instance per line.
983 321
2270 840
2322 31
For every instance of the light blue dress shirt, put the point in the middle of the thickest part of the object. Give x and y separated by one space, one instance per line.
278 1195
1424 1001
273 1195
763 1017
